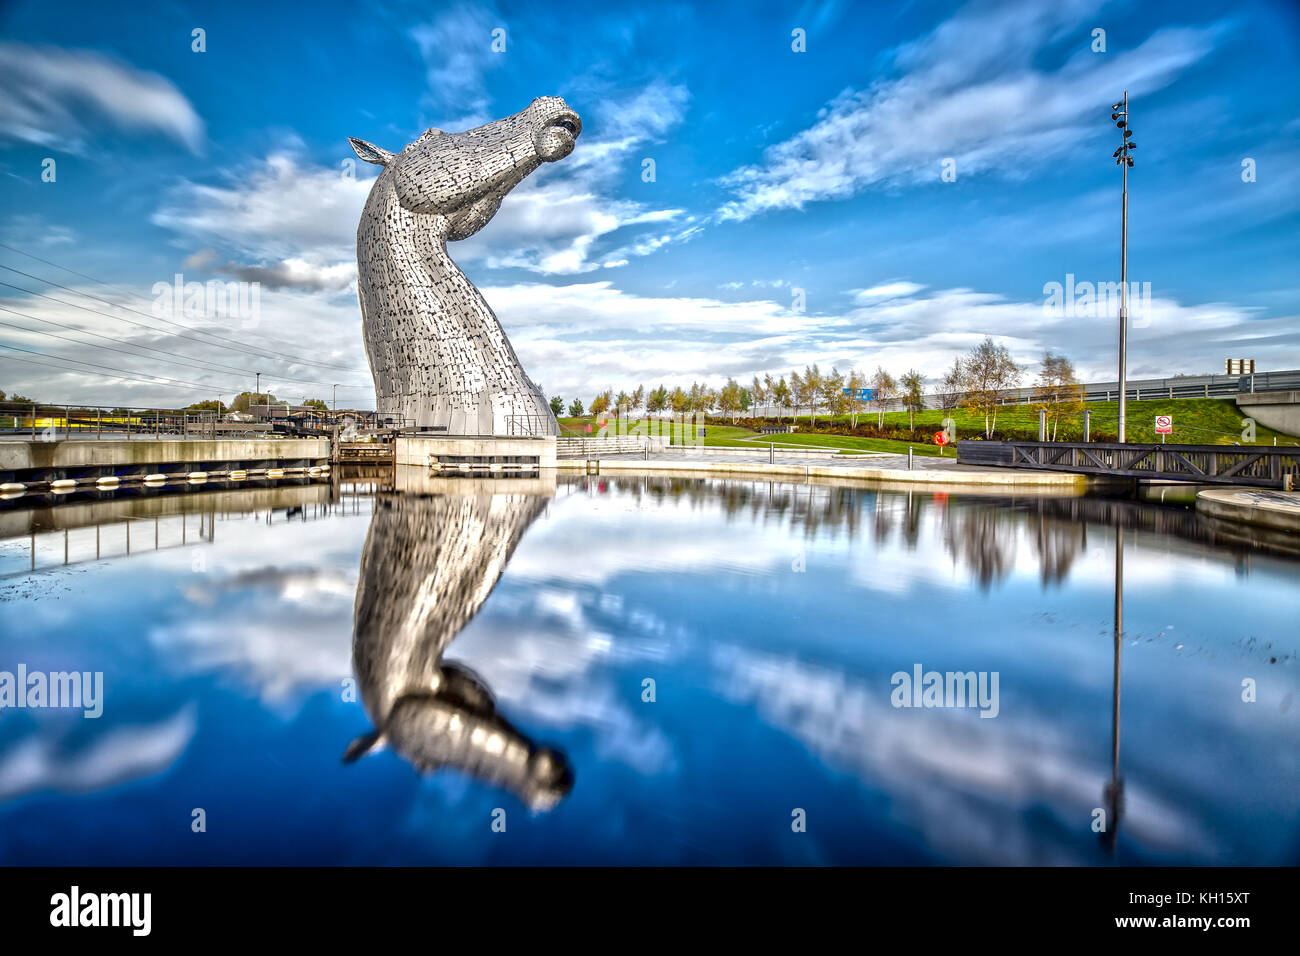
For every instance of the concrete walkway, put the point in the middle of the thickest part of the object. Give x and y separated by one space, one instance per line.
1269 509
871 467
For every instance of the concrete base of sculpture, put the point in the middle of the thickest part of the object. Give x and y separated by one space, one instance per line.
476 455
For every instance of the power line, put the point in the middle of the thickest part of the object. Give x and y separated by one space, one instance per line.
151 329
238 346
161 381
215 366
116 372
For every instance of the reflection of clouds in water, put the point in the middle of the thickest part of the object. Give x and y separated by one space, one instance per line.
280 630
547 661
966 784
116 755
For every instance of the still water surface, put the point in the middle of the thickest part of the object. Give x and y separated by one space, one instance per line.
487 658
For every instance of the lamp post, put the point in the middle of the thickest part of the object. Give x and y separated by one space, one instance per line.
1119 113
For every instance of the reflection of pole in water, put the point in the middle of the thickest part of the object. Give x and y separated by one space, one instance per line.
1113 793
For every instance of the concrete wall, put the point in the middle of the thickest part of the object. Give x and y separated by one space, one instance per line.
426 450
78 454
1279 411
582 447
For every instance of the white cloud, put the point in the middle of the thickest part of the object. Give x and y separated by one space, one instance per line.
457 51
970 92
48 95
280 208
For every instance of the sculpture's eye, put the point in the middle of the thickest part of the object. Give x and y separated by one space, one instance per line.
571 126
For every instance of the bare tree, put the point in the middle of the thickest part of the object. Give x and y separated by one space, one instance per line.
911 383
1057 390
952 391
990 371
884 386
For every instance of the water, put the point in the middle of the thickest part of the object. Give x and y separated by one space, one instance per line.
504 642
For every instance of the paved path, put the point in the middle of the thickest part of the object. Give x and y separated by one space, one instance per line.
875 467
1271 509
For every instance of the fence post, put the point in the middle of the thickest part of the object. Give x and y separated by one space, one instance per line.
67 422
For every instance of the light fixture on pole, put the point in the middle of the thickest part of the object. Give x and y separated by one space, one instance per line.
1119 113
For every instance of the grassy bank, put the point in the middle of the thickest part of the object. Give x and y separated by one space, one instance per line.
1197 421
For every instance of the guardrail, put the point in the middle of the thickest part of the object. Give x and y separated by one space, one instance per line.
40 421
613 445
1184 386
1258 465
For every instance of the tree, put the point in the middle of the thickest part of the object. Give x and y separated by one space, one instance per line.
911 384
795 393
679 400
781 395
884 386
638 397
557 405
600 404
812 390
316 403
729 398
622 404
856 383
756 394
244 399
989 370
1057 391
953 390
832 391
211 404
658 400
575 408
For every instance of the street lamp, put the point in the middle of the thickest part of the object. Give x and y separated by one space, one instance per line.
1119 113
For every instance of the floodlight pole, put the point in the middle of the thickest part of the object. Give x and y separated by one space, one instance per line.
1123 294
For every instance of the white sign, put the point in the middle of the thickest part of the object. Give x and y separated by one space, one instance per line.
1164 424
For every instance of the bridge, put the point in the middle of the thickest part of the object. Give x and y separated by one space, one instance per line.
1258 465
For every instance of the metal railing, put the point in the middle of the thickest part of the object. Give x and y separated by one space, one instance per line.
41 421
1184 386
1257 465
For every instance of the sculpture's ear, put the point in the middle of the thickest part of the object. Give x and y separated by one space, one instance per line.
370 152
430 133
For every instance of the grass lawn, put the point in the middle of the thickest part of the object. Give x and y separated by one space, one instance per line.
723 435
852 443
1197 421
731 436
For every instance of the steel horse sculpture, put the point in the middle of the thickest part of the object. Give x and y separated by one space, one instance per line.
439 357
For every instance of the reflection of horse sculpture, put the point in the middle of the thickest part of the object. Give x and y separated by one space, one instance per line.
437 352
428 565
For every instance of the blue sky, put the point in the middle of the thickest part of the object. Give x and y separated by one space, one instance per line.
775 170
